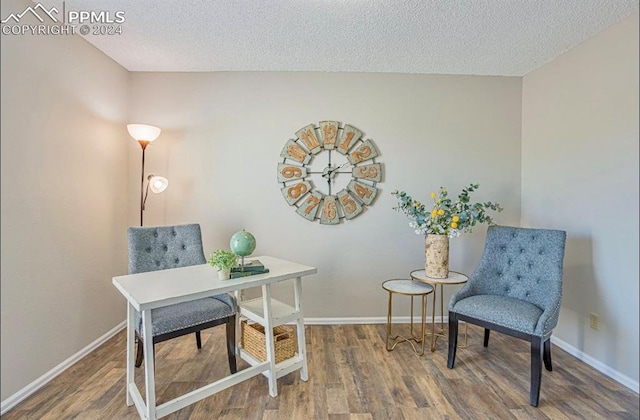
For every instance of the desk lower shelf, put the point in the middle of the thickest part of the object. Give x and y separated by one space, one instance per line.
283 368
281 312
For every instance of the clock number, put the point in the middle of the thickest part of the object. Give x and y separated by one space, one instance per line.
361 191
361 154
293 172
348 203
294 151
290 172
367 172
329 133
297 190
364 192
310 205
329 211
308 136
294 192
350 135
312 202
351 207
347 139
371 172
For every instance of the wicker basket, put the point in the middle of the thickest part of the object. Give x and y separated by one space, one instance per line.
254 342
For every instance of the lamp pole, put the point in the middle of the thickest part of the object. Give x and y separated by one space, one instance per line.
143 144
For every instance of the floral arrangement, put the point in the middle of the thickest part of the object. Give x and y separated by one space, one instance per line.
445 217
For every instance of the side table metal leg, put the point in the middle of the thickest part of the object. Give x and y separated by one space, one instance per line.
442 310
389 307
433 320
424 321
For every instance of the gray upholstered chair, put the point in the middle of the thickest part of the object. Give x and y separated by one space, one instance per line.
161 248
516 290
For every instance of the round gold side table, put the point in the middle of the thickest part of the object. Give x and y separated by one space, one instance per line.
409 288
454 278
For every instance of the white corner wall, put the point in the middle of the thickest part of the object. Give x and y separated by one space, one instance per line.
64 172
222 137
580 173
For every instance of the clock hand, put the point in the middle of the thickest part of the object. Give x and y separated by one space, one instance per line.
333 172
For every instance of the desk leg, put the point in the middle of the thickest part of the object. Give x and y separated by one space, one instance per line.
149 362
302 346
131 342
238 296
268 330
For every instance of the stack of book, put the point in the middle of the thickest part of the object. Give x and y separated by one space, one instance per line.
249 268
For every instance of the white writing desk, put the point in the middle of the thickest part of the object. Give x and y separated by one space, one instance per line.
154 289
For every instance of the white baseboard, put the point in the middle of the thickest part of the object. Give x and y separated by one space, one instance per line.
365 320
25 392
596 364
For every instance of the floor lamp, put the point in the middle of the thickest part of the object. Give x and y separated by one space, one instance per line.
145 134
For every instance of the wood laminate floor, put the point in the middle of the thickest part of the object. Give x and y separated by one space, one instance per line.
351 376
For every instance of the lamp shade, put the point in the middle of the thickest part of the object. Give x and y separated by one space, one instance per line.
143 132
157 184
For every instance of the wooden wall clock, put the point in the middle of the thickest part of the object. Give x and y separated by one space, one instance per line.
340 162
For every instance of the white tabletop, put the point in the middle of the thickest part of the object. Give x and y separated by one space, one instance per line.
454 277
155 289
407 287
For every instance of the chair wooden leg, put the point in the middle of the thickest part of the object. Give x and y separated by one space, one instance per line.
139 353
546 356
198 340
487 331
536 369
231 343
453 339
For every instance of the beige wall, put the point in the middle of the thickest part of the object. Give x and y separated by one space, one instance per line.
64 166
580 173
223 133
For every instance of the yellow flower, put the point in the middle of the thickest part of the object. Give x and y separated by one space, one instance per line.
454 225
434 213
456 218
433 195
440 212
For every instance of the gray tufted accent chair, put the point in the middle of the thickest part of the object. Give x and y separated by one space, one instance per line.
161 248
516 290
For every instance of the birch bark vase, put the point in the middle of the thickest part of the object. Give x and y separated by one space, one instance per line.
436 250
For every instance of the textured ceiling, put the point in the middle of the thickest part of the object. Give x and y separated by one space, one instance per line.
479 37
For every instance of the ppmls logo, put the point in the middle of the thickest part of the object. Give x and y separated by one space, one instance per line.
34 12
70 22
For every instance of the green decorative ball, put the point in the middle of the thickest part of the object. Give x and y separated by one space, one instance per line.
242 243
